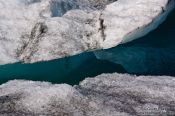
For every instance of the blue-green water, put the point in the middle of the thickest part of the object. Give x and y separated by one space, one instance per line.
69 70
158 59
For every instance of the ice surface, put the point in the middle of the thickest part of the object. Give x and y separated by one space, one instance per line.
129 23
104 95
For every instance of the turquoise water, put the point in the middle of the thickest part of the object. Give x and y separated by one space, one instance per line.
160 60
69 70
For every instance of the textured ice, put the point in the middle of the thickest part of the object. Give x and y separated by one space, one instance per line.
40 30
127 20
104 95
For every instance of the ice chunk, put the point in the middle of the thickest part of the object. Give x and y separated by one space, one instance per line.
123 22
41 30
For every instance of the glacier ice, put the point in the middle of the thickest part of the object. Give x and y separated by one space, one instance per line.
59 8
122 28
41 30
104 95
